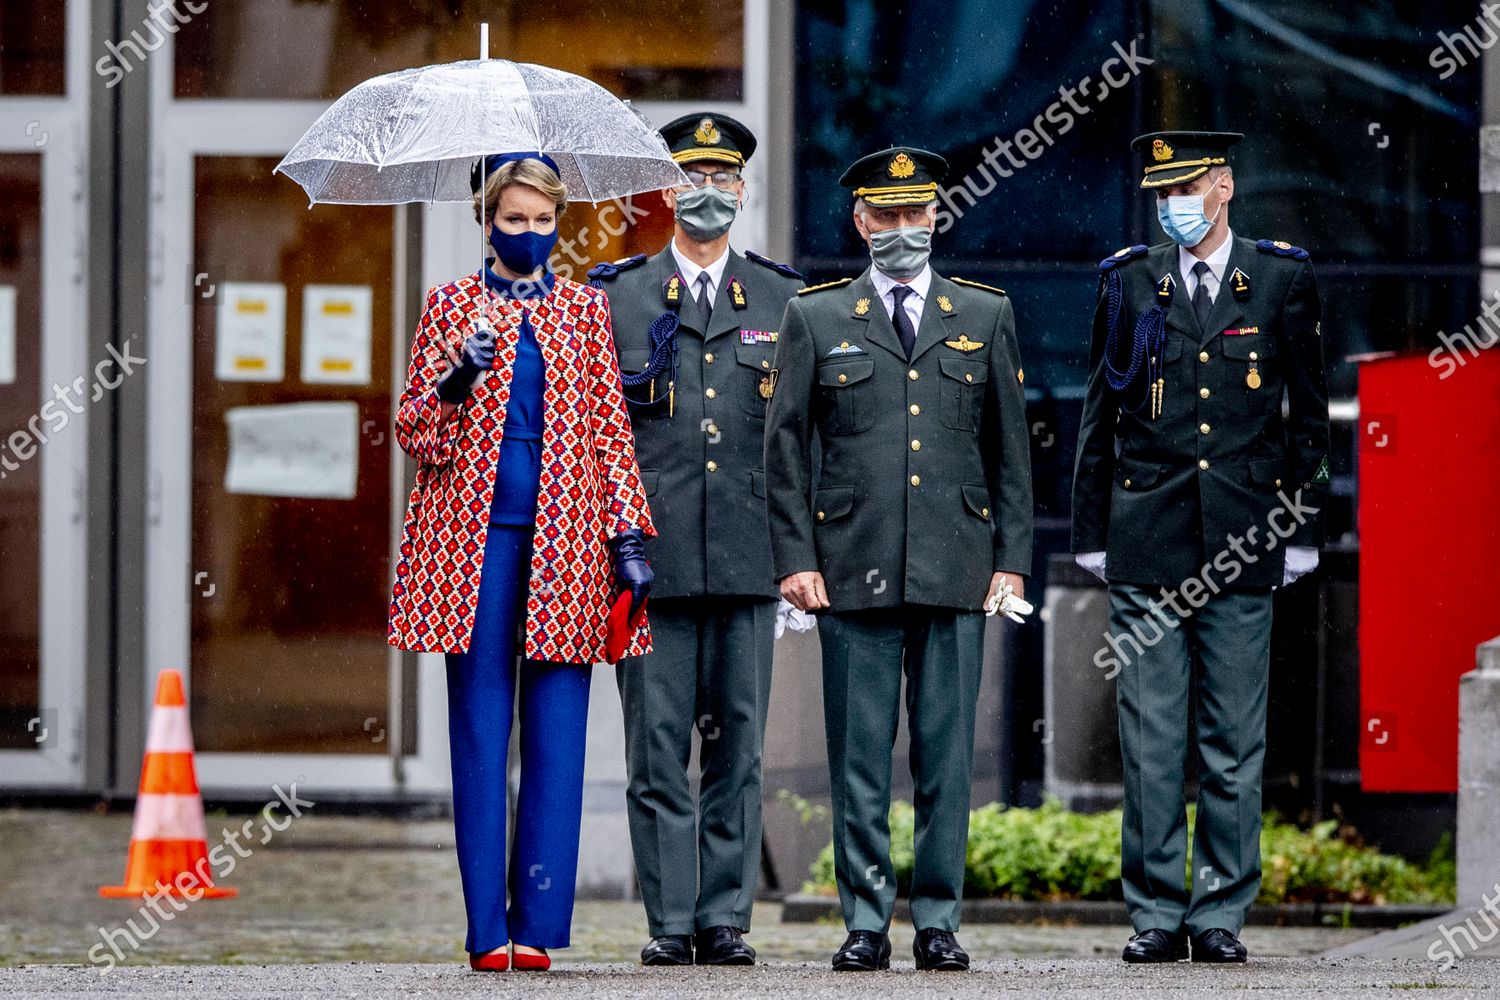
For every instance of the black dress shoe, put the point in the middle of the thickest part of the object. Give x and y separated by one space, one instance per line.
669 949
722 946
863 951
1218 945
939 951
1156 945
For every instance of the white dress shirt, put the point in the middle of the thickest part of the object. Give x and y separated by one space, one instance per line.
1216 261
690 272
914 302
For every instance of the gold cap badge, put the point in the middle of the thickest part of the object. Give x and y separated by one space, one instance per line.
1161 151
902 167
707 133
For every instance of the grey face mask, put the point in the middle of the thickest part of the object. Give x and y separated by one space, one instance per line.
706 213
901 253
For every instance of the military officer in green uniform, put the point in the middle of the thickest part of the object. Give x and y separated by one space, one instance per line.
918 512
1193 497
695 326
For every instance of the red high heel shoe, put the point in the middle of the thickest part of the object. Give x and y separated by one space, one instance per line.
525 962
496 962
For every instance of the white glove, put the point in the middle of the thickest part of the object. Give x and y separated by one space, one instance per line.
1005 602
1300 560
1093 562
788 617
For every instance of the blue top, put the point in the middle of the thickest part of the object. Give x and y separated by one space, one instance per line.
519 476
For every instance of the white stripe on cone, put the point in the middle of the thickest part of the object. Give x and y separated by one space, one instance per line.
168 817
170 730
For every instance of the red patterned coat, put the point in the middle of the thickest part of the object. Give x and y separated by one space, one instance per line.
590 486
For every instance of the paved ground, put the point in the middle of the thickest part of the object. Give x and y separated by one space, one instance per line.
1357 979
376 903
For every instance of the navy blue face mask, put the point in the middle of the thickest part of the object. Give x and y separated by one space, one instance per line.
524 252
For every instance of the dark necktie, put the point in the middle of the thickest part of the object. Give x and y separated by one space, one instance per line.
702 306
1202 302
902 321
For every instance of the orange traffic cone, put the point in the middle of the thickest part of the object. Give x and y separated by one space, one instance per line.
168 841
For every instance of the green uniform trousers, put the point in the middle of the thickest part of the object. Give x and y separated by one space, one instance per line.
1217 658
941 652
710 669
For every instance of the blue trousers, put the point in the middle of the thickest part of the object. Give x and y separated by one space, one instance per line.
554 700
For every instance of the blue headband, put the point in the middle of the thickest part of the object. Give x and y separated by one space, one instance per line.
495 161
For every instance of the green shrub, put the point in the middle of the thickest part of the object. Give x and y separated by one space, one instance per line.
1049 853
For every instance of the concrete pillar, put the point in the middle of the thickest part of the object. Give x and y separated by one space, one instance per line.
1479 776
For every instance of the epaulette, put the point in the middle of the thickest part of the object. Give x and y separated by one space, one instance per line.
610 270
786 269
825 285
1121 256
975 284
1281 249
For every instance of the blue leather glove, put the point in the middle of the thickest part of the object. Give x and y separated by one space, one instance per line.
631 568
478 356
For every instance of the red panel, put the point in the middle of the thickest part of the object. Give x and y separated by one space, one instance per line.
1429 525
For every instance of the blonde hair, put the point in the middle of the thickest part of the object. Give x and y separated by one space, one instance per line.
532 173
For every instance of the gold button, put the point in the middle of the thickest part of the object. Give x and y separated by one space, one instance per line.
713 466
1203 428
1127 484
916 480
708 358
968 376
821 515
765 364
710 393
984 511
915 409
912 375
1203 463
916 445
713 429
1204 393
1278 483
1202 355
843 377
1254 356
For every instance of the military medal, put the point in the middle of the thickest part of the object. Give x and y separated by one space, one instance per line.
765 387
1253 379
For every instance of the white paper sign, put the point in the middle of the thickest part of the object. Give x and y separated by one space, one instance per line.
252 332
336 334
7 334
294 450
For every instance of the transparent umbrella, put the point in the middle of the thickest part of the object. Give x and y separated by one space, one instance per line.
414 135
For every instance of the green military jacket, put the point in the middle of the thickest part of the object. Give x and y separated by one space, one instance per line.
698 438
921 487
1163 497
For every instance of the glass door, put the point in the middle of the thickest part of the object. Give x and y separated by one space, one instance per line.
275 484
47 384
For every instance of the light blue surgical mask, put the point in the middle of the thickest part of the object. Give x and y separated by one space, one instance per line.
1183 220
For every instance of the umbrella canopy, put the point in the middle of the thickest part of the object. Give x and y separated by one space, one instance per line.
414 135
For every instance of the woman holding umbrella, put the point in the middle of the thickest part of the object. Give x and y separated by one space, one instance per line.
527 517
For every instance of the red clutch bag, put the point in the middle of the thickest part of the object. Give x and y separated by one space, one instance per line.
621 627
